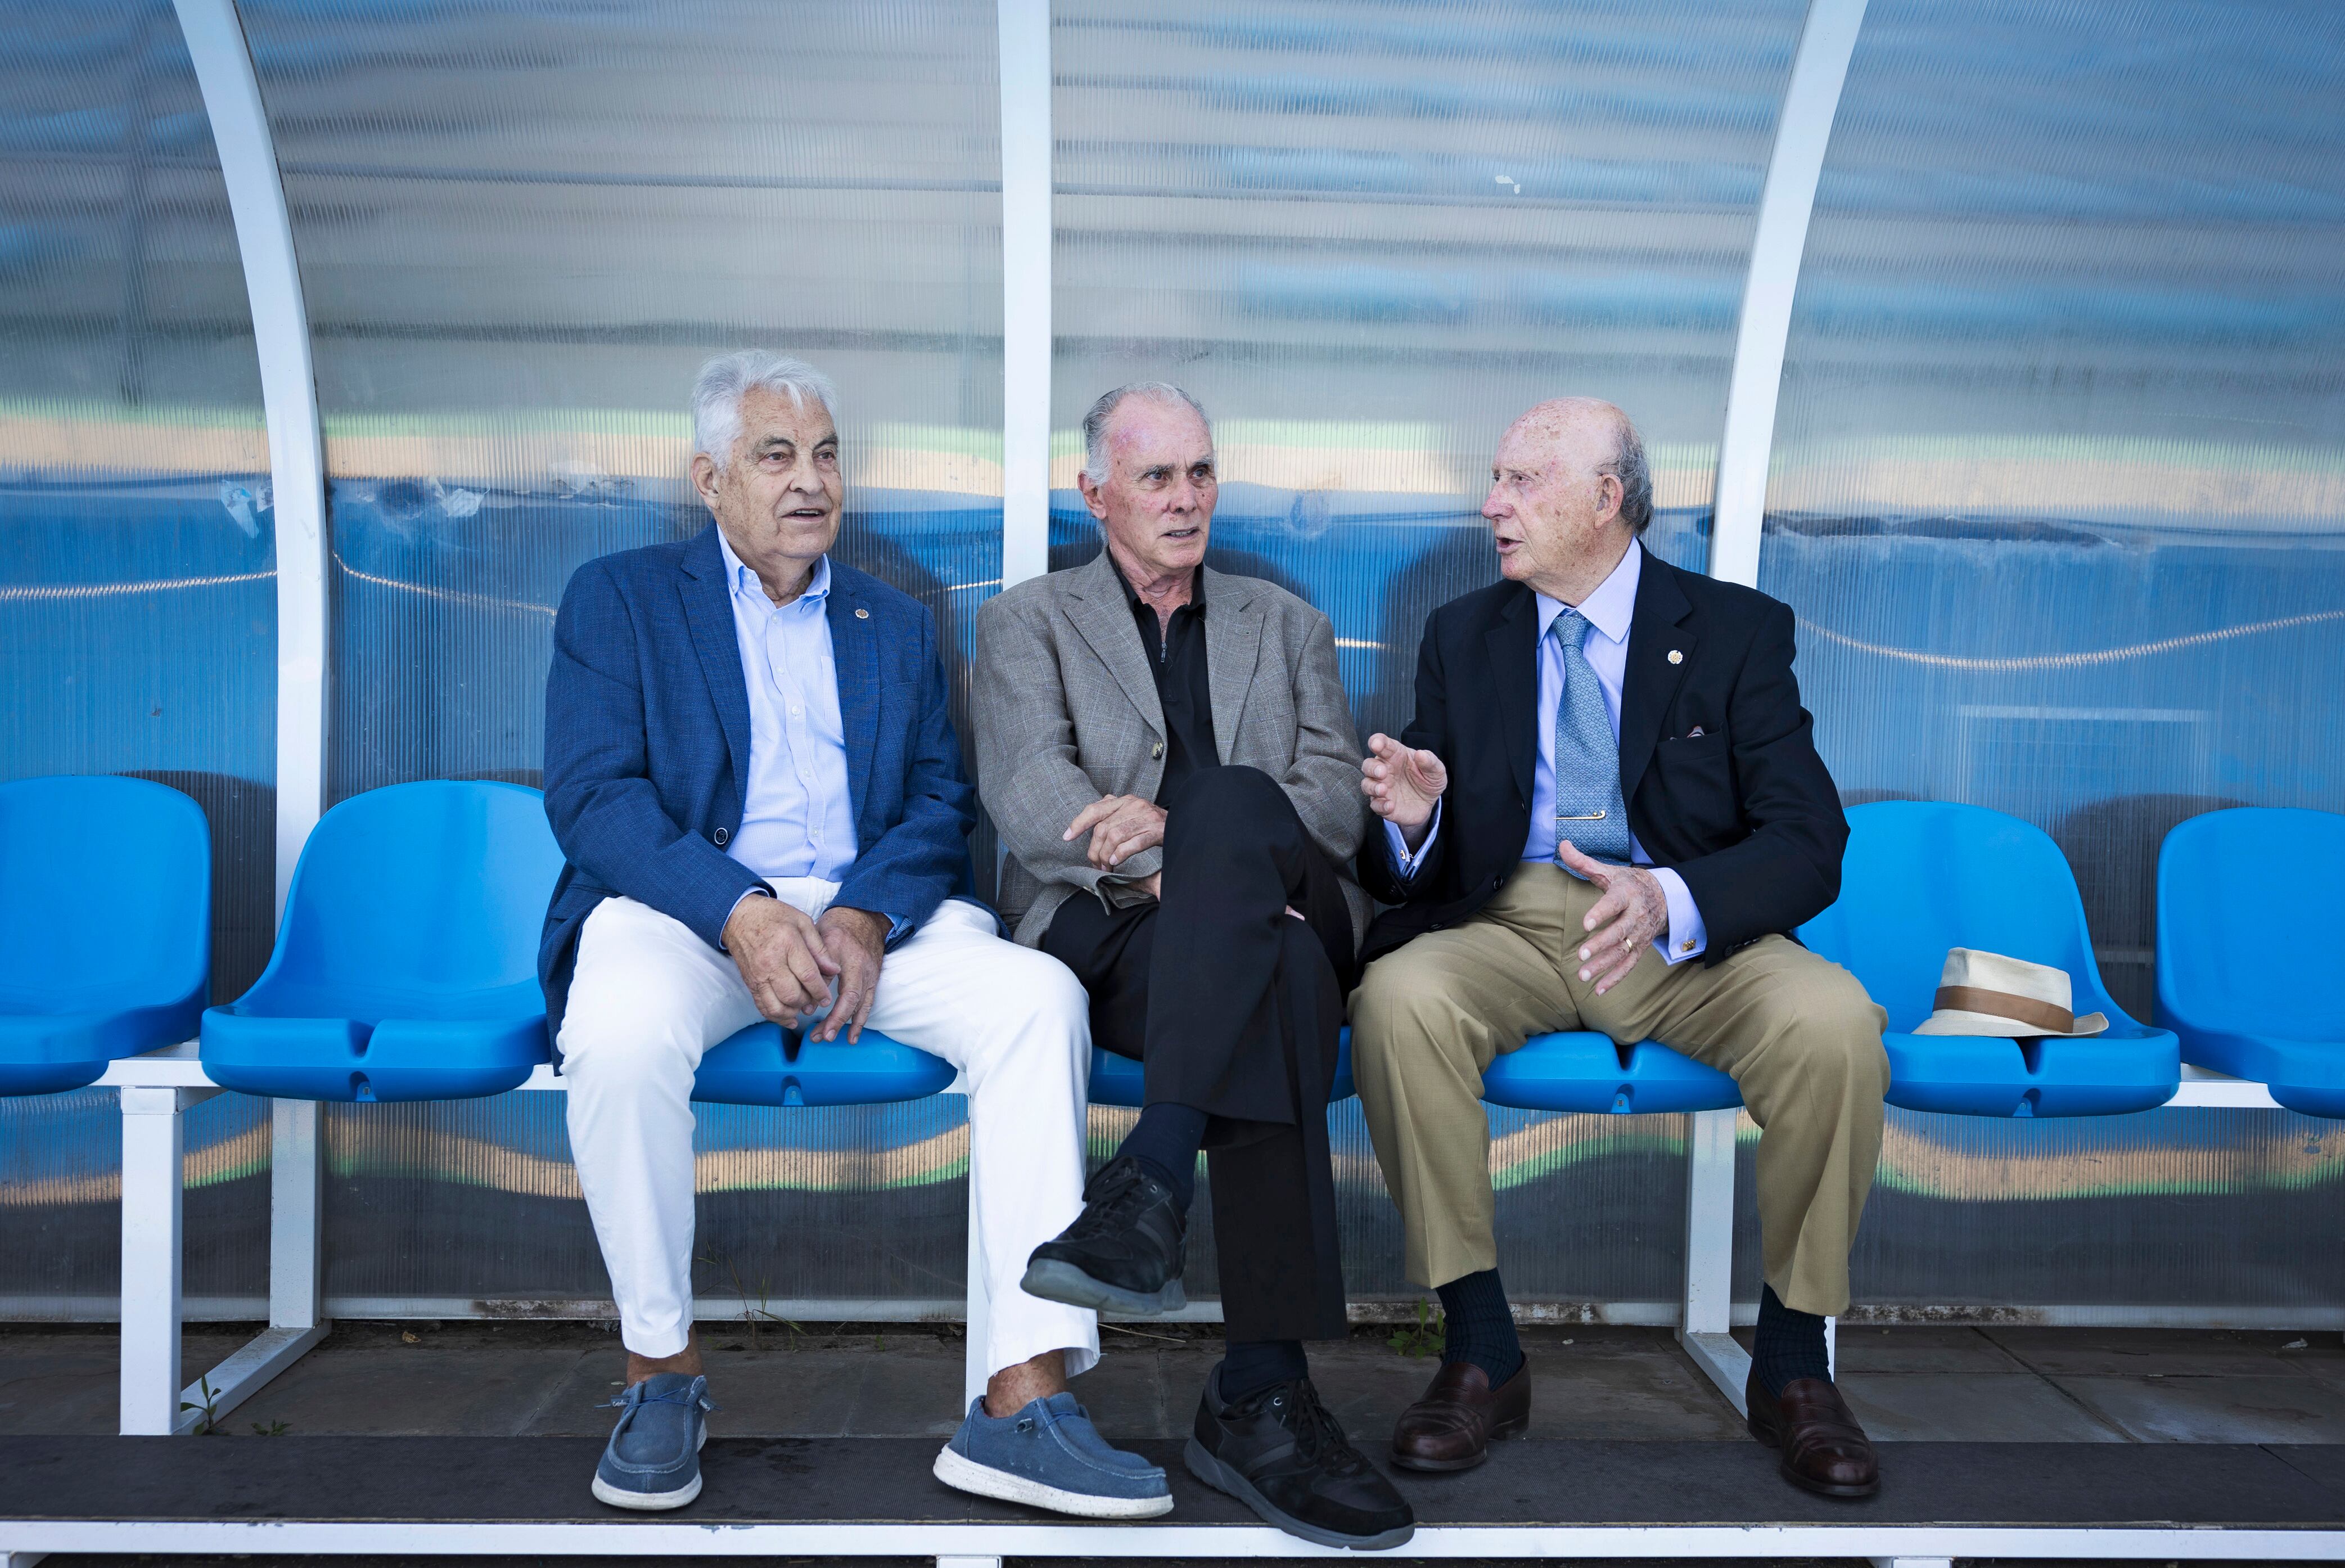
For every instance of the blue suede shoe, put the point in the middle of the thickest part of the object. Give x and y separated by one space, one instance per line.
653 1458
1049 1455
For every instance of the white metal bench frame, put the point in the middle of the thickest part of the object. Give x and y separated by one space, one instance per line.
157 1090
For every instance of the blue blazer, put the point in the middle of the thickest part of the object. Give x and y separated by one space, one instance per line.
647 742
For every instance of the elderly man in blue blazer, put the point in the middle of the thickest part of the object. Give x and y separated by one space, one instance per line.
752 770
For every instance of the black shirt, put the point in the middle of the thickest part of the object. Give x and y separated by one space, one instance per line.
1183 687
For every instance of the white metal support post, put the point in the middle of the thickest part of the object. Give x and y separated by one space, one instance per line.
1803 133
152 1194
980 1311
154 1142
1709 1252
1025 37
1023 32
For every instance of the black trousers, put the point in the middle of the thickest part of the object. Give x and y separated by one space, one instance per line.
1234 1006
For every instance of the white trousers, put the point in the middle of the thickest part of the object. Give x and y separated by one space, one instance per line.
650 997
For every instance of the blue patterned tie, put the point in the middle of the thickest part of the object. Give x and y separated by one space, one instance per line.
1588 806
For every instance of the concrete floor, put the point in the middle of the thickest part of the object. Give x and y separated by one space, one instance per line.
1975 1384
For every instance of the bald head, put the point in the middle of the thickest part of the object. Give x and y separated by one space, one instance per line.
1590 433
1569 489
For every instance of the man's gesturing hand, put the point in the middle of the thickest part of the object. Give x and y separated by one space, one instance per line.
1631 913
1121 826
859 939
781 956
1402 785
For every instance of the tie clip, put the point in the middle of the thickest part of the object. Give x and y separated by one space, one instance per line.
1589 817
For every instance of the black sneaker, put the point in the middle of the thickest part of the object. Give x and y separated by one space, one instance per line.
1125 1251
1283 1455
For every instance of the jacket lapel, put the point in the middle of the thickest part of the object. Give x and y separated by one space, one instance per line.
1100 614
708 611
855 654
1655 632
1513 646
1234 624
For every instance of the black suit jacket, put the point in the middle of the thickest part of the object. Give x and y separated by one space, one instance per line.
1745 812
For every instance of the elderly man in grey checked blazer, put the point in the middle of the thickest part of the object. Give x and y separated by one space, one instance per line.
1168 754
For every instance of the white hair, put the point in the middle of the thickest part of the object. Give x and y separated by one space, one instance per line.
725 381
1096 462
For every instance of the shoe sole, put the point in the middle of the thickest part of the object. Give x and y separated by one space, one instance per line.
652 1502
1051 1280
1222 1478
1451 1466
962 1473
1766 1435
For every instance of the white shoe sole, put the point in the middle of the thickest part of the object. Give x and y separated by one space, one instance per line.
651 1501
965 1475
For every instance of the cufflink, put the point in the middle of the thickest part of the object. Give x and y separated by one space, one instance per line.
1686 946
1675 657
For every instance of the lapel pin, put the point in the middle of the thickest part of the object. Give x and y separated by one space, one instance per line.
1675 657
862 614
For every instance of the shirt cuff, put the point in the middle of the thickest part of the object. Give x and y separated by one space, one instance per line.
1404 864
757 893
896 926
1686 937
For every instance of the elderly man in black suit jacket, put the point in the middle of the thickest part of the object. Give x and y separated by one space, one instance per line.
1606 814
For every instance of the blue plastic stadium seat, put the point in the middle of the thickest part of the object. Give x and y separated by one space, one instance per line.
406 967
2249 924
1584 1071
1119 1081
763 1066
105 898
1920 878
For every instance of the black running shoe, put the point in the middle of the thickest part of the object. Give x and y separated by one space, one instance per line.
1283 1455
1125 1251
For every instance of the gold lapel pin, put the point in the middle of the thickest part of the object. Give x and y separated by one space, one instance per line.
865 614
1675 657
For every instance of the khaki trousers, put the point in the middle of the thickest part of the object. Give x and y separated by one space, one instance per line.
1796 1032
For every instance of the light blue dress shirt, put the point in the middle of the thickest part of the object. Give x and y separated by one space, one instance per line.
798 814
1609 611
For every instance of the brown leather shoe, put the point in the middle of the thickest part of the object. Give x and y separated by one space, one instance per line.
1824 1449
1453 1426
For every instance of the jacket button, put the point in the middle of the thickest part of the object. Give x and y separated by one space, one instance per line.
721 836
1156 750
1437 925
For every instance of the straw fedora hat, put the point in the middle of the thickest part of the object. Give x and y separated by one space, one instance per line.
1988 994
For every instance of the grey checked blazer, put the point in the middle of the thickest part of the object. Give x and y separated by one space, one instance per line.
1065 707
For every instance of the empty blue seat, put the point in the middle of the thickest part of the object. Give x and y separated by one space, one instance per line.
1580 1070
106 910
762 1066
406 965
2249 925
1118 1080
1920 878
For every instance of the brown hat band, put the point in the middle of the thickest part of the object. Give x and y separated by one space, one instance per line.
2003 1004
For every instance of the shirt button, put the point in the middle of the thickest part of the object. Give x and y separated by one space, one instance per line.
795 710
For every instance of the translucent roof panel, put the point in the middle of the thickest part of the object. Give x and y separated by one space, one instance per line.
523 227
2084 263
138 604
2059 477
1368 236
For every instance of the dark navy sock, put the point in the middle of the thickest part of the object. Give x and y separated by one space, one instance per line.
1165 1142
1788 1345
1250 1366
1479 1327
